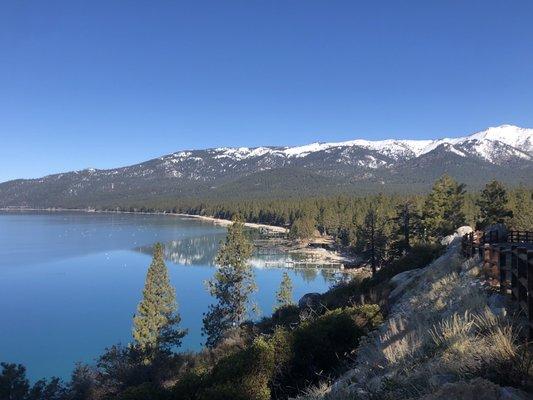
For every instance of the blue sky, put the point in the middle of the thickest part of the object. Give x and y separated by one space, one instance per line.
109 83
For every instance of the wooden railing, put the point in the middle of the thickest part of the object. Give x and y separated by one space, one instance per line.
520 237
510 261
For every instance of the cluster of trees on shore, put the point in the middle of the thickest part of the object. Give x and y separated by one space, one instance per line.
384 227
334 215
341 215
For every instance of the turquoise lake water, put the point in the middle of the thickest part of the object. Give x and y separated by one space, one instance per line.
70 282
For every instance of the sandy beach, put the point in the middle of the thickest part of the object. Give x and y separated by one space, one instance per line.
226 222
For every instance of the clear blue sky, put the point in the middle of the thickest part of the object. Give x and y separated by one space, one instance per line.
108 83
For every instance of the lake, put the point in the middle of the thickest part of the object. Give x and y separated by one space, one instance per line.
70 281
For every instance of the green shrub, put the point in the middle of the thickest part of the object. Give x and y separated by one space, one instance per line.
244 375
250 373
190 385
282 343
419 256
285 316
145 391
342 294
368 316
320 344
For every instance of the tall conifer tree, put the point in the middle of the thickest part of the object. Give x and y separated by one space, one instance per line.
493 205
522 204
155 326
372 239
443 209
231 285
284 294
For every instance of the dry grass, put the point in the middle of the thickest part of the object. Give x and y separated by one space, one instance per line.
471 390
440 332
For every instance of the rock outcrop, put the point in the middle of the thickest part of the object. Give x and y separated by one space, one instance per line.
309 300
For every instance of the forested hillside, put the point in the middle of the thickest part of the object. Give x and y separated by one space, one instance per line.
357 167
336 215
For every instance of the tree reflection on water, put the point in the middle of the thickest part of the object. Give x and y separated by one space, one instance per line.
201 250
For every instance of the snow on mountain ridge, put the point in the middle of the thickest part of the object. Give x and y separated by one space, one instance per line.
508 134
481 144
520 138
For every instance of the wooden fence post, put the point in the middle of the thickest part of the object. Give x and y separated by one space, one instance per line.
522 277
529 266
480 242
494 261
487 256
514 274
464 245
503 269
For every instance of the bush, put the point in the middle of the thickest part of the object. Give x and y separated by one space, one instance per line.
287 316
123 367
319 345
145 391
343 294
282 342
190 386
14 385
243 375
284 362
418 257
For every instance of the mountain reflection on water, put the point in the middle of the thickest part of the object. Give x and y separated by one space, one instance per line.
202 250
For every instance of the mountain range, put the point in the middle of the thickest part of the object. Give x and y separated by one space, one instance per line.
357 166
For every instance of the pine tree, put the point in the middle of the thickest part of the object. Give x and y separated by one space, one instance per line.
83 382
155 326
493 205
13 382
522 206
372 239
302 228
403 227
231 285
443 209
284 294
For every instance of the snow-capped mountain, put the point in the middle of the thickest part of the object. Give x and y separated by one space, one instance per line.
481 144
504 152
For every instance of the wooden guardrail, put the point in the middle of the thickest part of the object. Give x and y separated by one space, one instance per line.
520 237
508 259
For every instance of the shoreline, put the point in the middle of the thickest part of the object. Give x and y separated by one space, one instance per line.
216 221
314 255
226 222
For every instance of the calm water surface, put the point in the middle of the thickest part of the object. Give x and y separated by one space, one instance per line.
70 282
